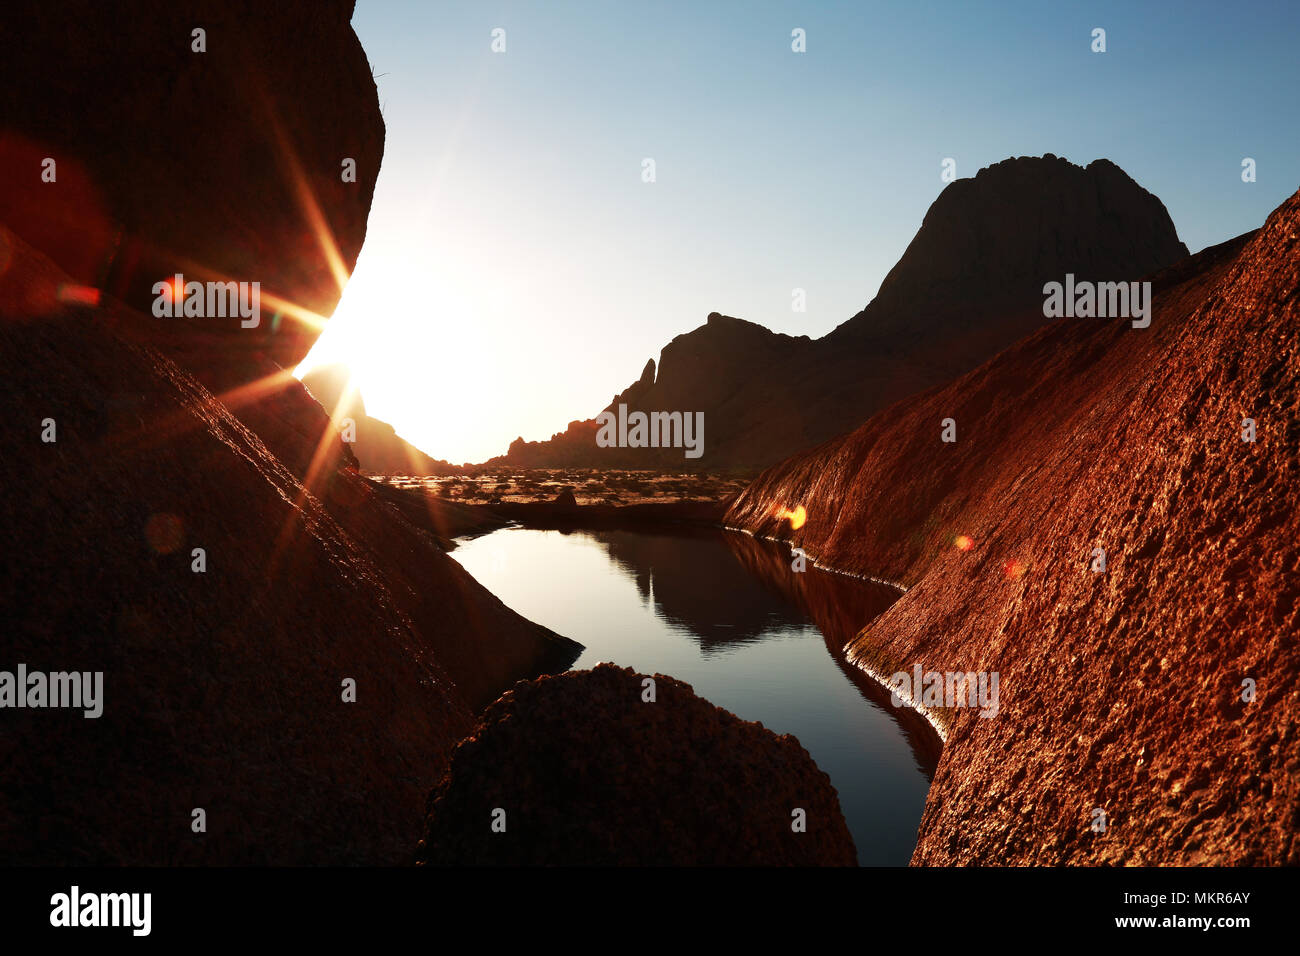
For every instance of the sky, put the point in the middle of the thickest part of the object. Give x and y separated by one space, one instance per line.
518 269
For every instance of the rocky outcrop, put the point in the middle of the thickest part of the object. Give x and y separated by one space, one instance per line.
969 285
594 774
987 245
282 646
711 369
221 164
155 538
637 391
220 157
1161 690
378 448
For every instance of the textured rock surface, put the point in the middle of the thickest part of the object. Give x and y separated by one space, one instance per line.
589 773
969 285
222 164
1120 690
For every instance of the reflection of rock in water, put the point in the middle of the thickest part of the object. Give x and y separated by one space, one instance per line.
713 598
737 589
840 606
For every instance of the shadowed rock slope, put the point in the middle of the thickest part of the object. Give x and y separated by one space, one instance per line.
1120 690
221 164
589 773
969 284
223 689
225 164
130 441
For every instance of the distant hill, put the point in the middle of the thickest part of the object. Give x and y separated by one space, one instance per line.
968 285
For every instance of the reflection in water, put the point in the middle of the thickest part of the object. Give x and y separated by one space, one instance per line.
725 613
712 597
840 607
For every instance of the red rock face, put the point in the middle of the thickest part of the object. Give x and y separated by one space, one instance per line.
969 285
1122 690
587 772
221 164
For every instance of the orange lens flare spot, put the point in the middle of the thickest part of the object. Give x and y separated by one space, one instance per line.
78 294
173 289
963 543
1014 569
797 517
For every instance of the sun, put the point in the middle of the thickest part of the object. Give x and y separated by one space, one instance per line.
398 329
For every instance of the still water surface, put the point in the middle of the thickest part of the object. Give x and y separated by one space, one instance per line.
725 613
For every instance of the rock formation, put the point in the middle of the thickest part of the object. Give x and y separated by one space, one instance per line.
969 285
225 163
281 647
1162 689
587 772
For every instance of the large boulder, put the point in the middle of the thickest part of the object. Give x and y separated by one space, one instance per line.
222 164
588 772
179 513
153 537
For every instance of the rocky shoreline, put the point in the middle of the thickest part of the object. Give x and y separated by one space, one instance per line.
1124 690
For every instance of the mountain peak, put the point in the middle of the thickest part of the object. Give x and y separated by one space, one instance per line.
989 242
969 285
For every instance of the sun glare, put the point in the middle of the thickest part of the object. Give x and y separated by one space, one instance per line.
400 333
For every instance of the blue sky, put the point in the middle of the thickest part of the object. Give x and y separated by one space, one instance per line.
518 272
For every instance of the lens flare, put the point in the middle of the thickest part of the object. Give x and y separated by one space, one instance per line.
173 289
963 542
78 294
797 517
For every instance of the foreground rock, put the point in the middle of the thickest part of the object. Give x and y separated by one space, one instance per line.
968 285
225 163
1123 690
223 671
588 773
282 647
